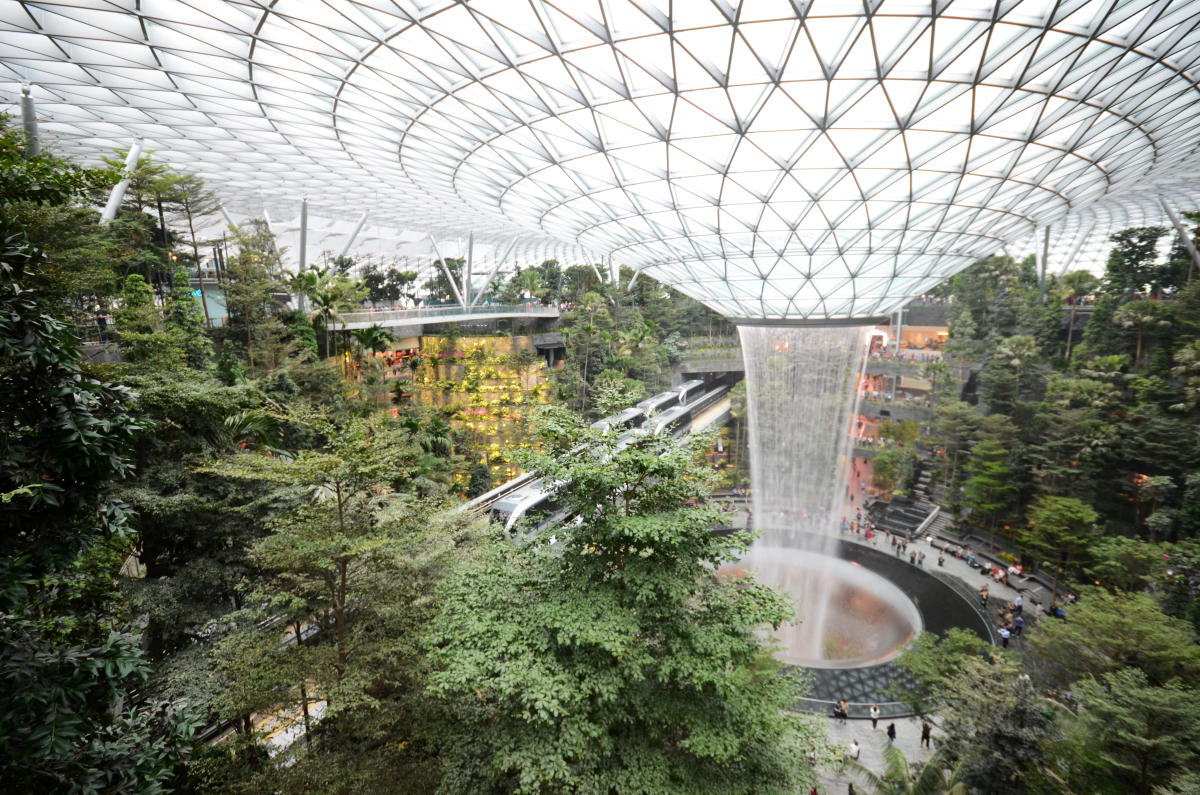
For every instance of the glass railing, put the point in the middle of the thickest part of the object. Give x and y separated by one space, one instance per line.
392 316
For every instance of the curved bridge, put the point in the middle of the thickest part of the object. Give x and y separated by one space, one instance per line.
442 314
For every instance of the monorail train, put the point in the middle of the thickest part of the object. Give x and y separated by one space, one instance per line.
533 499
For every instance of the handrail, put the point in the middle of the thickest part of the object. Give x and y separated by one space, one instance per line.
403 315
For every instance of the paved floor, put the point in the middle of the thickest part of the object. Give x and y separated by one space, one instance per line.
872 742
908 730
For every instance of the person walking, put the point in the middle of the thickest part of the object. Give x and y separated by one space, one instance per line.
891 733
942 557
1004 636
1018 605
1018 626
855 749
926 731
874 716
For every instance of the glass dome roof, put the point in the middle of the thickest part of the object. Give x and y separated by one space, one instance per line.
771 158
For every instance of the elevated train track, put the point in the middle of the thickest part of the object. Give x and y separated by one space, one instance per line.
688 408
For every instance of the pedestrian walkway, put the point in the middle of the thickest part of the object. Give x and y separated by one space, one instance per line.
873 742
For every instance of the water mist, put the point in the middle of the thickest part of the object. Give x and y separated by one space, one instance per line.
801 390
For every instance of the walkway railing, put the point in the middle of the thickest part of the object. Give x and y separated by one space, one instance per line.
399 317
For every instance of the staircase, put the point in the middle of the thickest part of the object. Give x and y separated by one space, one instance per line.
905 514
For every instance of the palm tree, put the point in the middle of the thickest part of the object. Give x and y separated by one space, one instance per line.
373 338
530 281
899 778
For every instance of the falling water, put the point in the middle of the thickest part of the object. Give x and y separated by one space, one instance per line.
801 389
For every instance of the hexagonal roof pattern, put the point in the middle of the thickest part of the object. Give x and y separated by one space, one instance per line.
773 158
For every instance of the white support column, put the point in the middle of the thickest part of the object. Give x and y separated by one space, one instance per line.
466 285
267 218
1188 243
33 144
225 215
613 271
118 192
499 263
446 270
303 252
599 275
1070 260
362 219
633 279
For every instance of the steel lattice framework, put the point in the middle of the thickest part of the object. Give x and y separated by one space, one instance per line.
772 158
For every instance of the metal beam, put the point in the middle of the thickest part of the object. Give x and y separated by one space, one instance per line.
633 279
1075 251
1184 236
446 271
33 144
466 285
225 214
362 219
118 192
499 263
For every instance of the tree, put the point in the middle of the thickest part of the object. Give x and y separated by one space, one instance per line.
1074 286
1132 735
614 392
373 338
892 468
989 490
620 659
251 290
185 321
1143 316
1106 632
1131 261
996 726
65 722
186 197
1059 529
931 660
1124 564
899 777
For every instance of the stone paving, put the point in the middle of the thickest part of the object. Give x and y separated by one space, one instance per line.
908 730
872 741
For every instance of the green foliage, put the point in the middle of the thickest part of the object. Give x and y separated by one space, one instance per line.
184 320
620 660
892 468
614 392
932 660
1106 632
1133 735
989 490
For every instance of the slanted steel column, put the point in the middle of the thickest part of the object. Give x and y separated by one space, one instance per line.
362 219
1184 236
33 144
225 215
446 271
1075 251
466 285
899 328
118 192
633 279
499 263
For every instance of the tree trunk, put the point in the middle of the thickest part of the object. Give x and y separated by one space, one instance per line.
1070 330
303 692
187 208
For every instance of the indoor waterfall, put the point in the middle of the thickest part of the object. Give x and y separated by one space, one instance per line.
801 388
